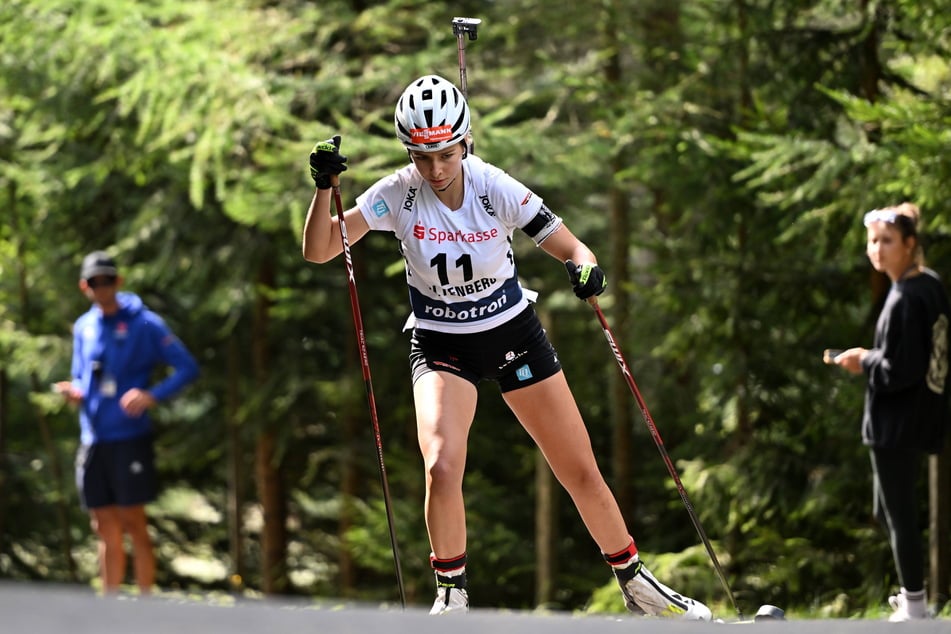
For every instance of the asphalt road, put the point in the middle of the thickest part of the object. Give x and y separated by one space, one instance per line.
49 609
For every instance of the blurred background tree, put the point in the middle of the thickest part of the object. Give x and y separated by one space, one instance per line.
716 155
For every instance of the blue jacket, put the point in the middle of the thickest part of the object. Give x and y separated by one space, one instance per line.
112 354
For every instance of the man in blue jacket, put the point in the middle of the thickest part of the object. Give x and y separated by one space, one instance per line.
117 347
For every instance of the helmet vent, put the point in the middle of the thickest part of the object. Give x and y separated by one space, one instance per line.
458 123
431 115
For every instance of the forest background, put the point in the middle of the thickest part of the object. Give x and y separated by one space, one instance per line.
718 155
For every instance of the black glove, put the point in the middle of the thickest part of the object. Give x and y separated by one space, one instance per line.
326 161
586 279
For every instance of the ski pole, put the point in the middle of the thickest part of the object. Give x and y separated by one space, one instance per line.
365 362
461 27
655 434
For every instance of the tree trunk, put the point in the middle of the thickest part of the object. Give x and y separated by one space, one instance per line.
236 469
546 552
617 264
267 462
4 412
354 416
274 532
56 470
546 512
349 491
26 313
939 530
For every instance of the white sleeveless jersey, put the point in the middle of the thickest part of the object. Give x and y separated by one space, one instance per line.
459 264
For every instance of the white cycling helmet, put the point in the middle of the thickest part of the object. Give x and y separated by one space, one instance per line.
431 114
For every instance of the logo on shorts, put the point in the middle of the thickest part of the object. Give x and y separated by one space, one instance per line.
524 373
136 467
511 357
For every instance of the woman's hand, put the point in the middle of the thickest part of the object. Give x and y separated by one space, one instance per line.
851 359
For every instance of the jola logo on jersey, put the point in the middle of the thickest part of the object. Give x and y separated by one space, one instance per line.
486 204
431 135
410 197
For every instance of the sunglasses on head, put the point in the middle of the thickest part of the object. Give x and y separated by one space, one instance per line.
884 215
880 215
101 281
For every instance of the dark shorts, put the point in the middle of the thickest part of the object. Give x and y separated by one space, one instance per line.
118 473
514 355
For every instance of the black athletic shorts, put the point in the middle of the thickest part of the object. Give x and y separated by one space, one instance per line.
117 473
515 354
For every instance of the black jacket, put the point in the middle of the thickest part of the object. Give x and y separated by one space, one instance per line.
906 401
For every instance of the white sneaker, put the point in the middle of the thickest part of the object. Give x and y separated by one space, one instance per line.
905 610
450 600
645 594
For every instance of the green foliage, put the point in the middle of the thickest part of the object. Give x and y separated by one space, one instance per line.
745 138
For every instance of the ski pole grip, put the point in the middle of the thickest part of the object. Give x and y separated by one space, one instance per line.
335 180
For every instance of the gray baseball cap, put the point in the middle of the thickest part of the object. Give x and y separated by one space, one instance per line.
98 263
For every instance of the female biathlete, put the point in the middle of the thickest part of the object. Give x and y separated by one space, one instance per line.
454 216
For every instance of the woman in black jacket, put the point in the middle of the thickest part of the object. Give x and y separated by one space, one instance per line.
906 409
